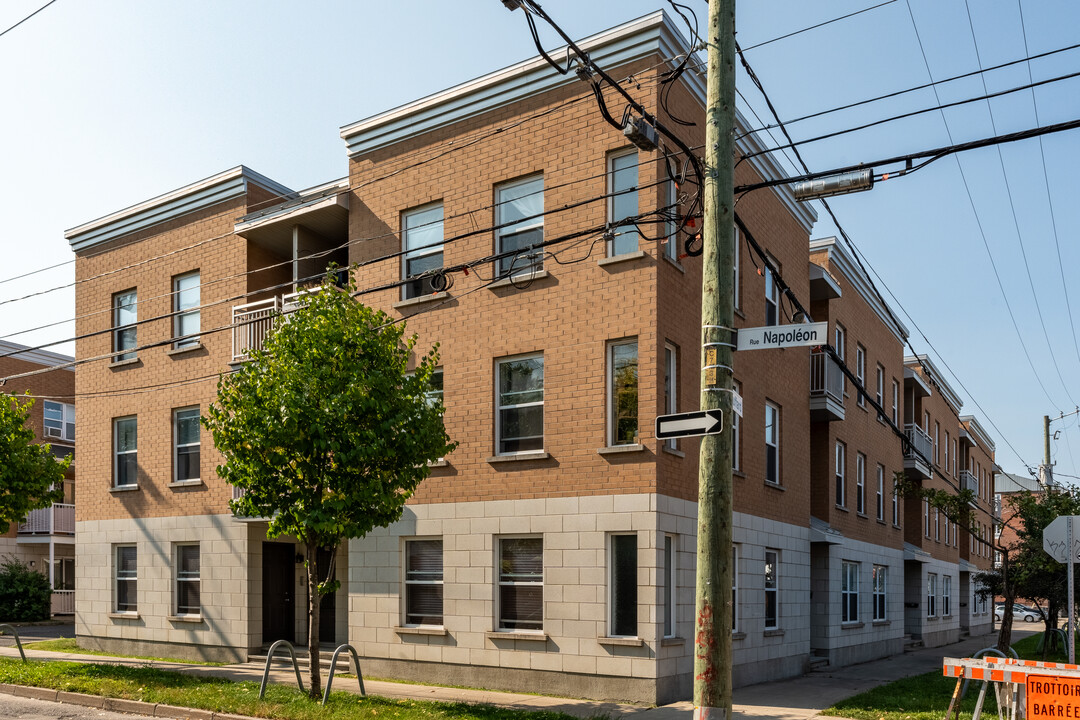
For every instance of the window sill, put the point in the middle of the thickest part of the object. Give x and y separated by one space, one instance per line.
880 521
185 618
438 463
520 457
124 488
124 616
774 632
852 625
186 483
841 508
775 486
882 623
620 449
670 641
125 363
625 257
621 641
739 313
863 515
420 300
186 349
516 280
675 263
672 451
738 636
538 635
420 630
739 474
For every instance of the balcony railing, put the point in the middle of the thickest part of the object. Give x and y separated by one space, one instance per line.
57 519
63 602
968 481
920 441
251 324
825 377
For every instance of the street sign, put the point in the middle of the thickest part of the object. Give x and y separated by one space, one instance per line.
781 336
688 424
1056 538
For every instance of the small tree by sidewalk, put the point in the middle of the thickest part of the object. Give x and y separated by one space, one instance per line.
25 595
327 431
30 477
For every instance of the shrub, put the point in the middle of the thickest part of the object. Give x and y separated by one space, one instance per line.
24 593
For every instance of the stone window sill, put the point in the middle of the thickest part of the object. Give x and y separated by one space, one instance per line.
411 302
621 641
186 483
738 636
669 641
619 449
738 474
672 451
125 363
882 623
841 508
420 630
516 280
124 616
775 486
185 618
441 462
186 349
124 488
678 265
520 457
774 632
852 625
625 257
511 635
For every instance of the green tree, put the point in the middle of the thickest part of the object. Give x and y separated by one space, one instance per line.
327 432
24 593
30 477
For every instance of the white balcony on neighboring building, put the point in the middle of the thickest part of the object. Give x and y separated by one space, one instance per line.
47 523
63 602
826 388
917 455
251 323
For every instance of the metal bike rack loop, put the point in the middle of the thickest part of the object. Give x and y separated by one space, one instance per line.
333 664
269 659
18 642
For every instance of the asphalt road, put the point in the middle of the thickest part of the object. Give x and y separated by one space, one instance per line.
35 633
27 709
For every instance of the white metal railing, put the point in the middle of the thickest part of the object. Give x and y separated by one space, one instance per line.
237 493
251 324
63 602
920 441
57 519
825 377
968 481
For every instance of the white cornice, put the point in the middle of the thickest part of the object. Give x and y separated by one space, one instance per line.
840 259
40 357
978 430
924 362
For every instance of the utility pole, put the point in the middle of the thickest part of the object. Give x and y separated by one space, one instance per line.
713 623
1045 470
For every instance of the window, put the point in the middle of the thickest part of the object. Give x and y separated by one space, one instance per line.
879 392
937 525
881 583
734 588
186 444
772 601
186 300
937 446
736 432
521 584
424 582
520 393
772 443
879 496
931 595
839 468
671 199
125 452
895 503
926 517
772 298
622 586
736 286
434 393
59 420
840 345
954 453
64 574
860 373
670 585
947 523
421 238
623 201
895 402
849 592
187 580
860 483
623 393
521 204
946 465
127 579
125 330
946 595
671 388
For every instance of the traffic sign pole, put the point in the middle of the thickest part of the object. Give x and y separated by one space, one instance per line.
1072 606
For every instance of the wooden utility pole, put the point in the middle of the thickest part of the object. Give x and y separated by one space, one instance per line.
713 620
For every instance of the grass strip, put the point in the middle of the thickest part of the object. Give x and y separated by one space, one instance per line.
281 702
69 645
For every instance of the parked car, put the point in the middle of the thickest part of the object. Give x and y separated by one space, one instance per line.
1020 612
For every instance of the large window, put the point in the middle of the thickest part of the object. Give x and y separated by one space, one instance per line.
188 580
931 595
860 483
622 586
186 299
946 595
937 445
186 444
59 420
772 443
881 585
670 585
125 452
772 598
519 215
860 374
849 592
946 466
895 503
521 584
623 393
671 227
895 402
421 238
772 299
424 582
879 391
840 345
623 201
125 330
520 412
879 495
671 386
126 579
839 471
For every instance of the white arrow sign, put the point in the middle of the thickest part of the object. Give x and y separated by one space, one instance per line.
780 336
1056 538
704 422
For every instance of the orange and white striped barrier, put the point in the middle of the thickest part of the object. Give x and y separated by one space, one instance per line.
1039 690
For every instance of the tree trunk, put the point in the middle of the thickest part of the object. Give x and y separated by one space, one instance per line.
1009 593
313 619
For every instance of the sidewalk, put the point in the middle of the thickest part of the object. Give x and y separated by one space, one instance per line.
798 698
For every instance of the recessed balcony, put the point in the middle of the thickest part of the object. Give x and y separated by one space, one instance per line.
57 519
826 388
917 453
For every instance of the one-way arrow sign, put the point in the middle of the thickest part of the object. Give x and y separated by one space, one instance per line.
688 424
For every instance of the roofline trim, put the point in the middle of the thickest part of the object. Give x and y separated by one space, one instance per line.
838 253
976 427
946 390
41 357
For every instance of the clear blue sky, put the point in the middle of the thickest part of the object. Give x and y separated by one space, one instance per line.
109 103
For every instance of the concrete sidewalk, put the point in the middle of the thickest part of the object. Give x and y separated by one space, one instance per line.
792 699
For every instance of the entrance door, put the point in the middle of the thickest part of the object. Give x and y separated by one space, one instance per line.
328 604
279 589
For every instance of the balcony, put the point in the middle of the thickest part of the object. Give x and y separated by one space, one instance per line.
968 481
57 519
251 323
63 602
826 388
920 448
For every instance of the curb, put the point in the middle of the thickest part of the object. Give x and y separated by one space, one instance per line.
118 704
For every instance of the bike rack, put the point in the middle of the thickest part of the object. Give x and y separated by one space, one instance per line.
269 659
18 642
981 654
1049 637
333 664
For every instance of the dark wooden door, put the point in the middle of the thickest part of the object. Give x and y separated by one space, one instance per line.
279 591
328 605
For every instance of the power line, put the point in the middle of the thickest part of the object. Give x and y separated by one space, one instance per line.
820 24
35 272
5 32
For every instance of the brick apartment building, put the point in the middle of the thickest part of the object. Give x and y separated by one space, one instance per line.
554 549
45 539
